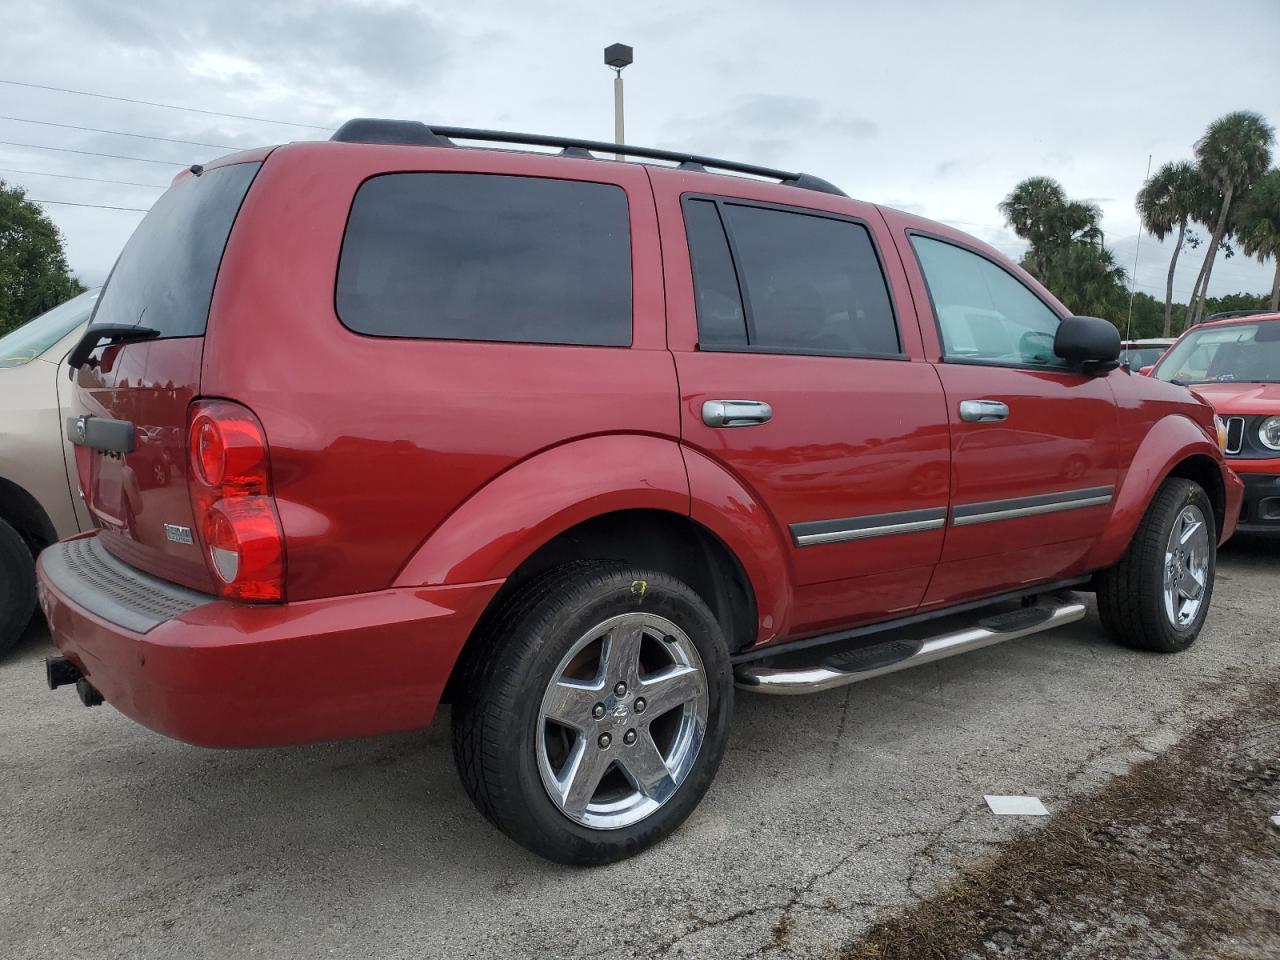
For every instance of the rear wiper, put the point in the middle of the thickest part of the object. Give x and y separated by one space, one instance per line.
100 333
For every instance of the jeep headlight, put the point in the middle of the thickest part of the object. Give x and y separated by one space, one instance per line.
1269 433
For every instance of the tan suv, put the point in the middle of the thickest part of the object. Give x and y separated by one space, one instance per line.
38 501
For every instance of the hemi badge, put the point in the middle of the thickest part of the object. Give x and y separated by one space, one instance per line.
178 534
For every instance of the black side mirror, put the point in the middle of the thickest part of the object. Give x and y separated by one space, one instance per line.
1092 342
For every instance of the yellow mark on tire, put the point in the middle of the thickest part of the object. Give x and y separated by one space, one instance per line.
638 587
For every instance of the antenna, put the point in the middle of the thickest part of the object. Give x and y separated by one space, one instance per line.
1133 277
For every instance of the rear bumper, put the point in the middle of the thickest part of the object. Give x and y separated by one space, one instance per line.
1260 510
224 674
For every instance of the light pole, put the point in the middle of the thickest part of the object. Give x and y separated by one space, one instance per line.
617 56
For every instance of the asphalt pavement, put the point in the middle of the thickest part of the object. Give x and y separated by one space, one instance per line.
829 812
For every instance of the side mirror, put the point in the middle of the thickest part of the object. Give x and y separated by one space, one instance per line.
1092 342
1146 371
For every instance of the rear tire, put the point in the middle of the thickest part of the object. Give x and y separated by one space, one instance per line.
17 586
1148 600
592 711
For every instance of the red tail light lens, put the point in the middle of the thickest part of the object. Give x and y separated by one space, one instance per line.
233 504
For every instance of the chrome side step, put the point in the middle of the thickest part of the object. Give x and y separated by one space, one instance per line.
814 670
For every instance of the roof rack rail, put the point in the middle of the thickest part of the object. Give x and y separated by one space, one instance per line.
414 132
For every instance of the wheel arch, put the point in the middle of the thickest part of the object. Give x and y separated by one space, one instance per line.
1175 446
22 511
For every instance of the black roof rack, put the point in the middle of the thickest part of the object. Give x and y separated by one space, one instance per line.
416 133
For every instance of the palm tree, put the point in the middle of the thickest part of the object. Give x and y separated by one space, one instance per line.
1038 211
1234 152
1029 209
1176 195
1258 230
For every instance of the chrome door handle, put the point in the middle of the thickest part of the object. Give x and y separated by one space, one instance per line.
735 413
983 411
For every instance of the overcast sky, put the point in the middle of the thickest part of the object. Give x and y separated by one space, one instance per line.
934 107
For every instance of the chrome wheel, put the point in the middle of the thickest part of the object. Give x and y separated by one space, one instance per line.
1186 566
622 721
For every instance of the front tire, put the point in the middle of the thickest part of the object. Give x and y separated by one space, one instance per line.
17 586
593 711
1157 597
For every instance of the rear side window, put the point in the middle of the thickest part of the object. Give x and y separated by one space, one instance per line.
459 256
804 283
165 274
721 321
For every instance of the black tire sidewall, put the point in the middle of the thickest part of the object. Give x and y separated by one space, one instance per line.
1172 637
17 586
535 820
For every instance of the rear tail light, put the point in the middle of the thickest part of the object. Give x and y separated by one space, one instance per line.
233 504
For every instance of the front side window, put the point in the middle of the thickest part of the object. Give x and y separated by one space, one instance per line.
1247 352
781 281
985 314
461 256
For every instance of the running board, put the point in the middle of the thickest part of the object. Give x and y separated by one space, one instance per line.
814 670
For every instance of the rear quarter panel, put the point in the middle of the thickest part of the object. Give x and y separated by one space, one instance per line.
376 441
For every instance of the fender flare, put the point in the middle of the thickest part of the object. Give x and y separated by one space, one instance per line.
500 525
1169 441
721 503
504 522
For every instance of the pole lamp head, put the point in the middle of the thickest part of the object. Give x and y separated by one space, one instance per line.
617 56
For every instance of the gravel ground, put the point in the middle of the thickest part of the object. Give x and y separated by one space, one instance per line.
830 814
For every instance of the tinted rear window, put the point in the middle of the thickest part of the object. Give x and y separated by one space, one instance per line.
721 322
813 283
164 277
773 280
459 256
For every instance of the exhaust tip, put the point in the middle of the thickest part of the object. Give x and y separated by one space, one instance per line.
61 672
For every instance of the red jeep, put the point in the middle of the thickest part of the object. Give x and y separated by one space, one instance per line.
574 444
1234 363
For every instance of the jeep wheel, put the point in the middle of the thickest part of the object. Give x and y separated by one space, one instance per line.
1157 596
17 586
593 713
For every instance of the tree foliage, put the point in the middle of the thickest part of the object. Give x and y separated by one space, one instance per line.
1257 226
1065 248
1173 198
1233 153
33 268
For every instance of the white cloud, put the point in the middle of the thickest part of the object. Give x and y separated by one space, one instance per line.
928 105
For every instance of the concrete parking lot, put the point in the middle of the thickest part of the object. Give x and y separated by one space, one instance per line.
829 811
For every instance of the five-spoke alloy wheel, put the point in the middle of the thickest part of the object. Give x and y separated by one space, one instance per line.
594 711
1186 566
622 721
1157 596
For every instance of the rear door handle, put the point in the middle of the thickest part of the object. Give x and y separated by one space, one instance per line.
735 413
983 411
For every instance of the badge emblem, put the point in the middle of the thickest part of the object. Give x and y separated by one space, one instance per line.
177 534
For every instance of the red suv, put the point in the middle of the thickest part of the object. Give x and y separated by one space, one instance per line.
574 444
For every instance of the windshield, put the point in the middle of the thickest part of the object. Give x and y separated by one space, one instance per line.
1139 357
1247 352
34 338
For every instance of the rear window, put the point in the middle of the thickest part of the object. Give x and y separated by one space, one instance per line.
164 277
459 256
783 281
